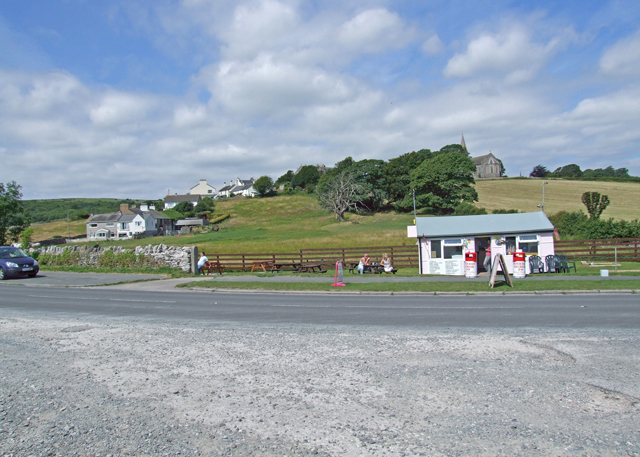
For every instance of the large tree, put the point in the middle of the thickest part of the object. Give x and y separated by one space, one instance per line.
396 181
264 186
442 183
206 204
340 193
539 171
13 219
306 178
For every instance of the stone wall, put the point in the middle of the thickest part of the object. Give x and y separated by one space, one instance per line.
170 256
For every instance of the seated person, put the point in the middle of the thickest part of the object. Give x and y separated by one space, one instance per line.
386 263
201 261
364 264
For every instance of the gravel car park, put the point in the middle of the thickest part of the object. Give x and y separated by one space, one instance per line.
14 262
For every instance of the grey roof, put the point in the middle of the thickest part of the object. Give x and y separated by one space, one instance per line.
127 217
189 222
104 218
480 159
485 224
182 198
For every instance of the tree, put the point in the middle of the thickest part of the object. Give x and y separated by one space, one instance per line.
339 193
503 170
206 204
13 219
185 208
595 204
442 183
306 178
264 186
539 171
568 171
284 179
396 180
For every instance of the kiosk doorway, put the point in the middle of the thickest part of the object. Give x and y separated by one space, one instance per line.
481 249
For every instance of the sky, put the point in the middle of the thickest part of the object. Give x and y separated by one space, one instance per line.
140 98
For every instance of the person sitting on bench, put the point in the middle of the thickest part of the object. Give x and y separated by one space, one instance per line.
365 264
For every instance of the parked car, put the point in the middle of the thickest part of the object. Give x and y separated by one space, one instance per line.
14 262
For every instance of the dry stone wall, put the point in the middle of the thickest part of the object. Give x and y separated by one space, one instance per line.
170 256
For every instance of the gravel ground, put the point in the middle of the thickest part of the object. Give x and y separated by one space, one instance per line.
97 386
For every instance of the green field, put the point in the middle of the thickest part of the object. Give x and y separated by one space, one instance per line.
293 222
560 195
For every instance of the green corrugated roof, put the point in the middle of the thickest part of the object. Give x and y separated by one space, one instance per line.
486 224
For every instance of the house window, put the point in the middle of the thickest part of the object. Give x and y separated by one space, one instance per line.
125 226
93 225
138 223
452 248
101 234
528 243
109 224
209 191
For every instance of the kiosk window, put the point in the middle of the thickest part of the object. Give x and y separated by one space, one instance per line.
436 249
528 243
452 248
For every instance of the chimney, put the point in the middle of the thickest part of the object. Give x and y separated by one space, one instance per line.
124 208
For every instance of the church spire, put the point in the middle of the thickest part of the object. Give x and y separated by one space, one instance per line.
462 143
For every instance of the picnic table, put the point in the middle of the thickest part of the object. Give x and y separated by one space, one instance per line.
311 268
285 266
211 266
264 265
370 269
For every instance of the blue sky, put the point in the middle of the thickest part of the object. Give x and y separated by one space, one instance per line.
133 98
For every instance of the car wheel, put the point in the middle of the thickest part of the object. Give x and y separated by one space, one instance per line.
3 275
32 275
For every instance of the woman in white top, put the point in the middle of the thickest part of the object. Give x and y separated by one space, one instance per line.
386 263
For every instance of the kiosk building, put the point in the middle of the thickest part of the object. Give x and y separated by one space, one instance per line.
444 241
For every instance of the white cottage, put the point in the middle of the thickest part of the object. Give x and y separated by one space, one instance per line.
443 241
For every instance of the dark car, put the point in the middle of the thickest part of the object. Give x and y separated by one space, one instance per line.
14 262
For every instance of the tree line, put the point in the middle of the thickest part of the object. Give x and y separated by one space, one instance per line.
573 171
439 181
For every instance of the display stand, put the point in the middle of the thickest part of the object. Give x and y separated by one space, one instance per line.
338 281
499 260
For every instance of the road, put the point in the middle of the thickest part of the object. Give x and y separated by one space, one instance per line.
554 311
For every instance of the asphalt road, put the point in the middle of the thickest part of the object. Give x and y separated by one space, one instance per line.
552 311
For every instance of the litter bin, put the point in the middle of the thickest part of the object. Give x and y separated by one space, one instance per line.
518 265
471 264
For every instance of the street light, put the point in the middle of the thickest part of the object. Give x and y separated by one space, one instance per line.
542 205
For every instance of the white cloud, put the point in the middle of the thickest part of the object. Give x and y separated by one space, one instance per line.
511 52
272 88
118 108
372 31
256 27
623 58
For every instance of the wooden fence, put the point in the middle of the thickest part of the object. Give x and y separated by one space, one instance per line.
628 249
400 256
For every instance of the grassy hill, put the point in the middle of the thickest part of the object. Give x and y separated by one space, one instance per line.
526 194
289 223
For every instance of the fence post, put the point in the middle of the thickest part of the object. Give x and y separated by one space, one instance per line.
243 264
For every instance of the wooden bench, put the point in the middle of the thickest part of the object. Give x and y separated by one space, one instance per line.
210 267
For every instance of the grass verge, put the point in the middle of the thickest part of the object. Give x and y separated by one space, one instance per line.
169 272
434 287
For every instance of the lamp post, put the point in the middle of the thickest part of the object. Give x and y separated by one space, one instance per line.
542 205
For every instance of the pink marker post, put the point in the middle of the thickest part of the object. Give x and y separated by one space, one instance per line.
338 281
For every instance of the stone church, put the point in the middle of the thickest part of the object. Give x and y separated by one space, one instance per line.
487 166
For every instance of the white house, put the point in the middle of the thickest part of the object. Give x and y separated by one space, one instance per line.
203 189
443 241
238 187
172 200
